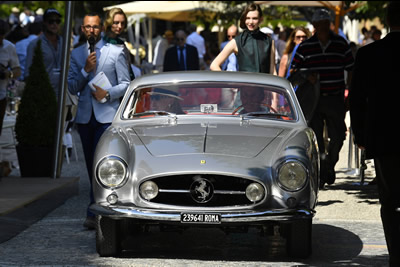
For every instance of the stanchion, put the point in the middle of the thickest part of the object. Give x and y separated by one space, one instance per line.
350 153
352 149
363 166
360 165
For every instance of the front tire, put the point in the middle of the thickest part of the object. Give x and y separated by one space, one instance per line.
298 239
108 243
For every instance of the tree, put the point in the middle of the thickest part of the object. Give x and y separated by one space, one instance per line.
37 114
371 10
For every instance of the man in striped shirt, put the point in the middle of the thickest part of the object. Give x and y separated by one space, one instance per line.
329 55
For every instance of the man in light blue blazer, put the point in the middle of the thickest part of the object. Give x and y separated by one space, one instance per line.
96 108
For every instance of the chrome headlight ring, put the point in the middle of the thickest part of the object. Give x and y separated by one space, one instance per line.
292 175
112 172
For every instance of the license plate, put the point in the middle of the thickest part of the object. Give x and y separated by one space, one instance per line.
202 218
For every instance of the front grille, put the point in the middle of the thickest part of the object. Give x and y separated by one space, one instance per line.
227 191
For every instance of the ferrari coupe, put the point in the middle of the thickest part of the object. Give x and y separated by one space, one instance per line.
207 149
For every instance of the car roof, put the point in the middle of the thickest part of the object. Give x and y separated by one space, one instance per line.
211 76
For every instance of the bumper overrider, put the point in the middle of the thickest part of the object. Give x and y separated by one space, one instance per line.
116 212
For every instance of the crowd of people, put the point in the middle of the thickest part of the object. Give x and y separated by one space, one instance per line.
26 24
325 57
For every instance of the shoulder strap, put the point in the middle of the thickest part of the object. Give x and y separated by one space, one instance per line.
291 59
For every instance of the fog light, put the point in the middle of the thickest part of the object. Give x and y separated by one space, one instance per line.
112 199
255 192
148 190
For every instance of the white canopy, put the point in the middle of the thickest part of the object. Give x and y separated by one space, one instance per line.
170 10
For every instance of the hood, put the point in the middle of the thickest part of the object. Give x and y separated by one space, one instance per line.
222 139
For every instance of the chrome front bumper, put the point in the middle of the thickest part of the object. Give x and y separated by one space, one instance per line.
226 216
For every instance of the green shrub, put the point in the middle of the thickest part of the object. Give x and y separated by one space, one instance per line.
37 113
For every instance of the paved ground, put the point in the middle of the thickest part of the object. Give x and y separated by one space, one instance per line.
24 201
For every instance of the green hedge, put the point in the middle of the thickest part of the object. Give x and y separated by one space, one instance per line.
37 113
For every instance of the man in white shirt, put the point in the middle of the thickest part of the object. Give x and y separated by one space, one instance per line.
161 47
51 45
197 41
9 66
231 63
9 69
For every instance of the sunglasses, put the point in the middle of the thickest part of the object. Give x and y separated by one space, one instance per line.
298 37
52 21
123 23
88 27
180 39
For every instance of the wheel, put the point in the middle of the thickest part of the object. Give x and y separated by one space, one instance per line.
129 227
108 242
298 239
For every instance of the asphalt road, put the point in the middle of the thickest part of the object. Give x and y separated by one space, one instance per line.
346 231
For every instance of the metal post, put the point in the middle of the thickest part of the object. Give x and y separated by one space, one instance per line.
149 41
350 154
62 90
357 157
131 38
137 38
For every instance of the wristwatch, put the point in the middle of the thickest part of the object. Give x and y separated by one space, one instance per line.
107 97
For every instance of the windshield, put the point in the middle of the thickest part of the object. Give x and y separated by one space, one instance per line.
210 99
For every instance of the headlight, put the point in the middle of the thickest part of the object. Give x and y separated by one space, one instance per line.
111 172
292 176
255 192
148 190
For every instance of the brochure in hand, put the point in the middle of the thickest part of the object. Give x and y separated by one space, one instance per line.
102 81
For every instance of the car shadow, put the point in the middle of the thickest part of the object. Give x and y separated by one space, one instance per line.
331 244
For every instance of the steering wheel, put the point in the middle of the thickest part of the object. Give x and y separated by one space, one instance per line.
263 105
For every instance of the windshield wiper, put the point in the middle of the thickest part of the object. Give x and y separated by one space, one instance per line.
263 113
154 112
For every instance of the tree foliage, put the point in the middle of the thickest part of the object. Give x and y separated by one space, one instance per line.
5 9
291 15
370 10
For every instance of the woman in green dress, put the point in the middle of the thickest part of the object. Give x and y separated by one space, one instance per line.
254 49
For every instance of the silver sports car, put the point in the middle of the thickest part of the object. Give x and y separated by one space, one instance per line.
193 149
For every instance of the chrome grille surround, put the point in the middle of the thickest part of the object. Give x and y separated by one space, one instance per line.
205 190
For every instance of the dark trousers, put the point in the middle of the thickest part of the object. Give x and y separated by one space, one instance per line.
90 134
330 109
3 107
388 180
